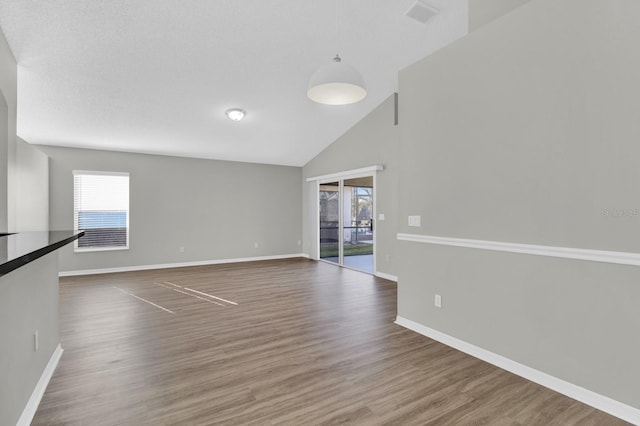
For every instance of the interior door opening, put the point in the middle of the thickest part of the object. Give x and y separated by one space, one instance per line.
346 228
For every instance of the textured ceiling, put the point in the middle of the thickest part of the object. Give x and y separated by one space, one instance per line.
155 76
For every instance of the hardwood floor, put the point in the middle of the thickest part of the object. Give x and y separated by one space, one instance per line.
305 343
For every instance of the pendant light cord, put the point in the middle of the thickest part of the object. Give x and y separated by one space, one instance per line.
337 30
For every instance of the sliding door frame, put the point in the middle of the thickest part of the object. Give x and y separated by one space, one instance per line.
340 177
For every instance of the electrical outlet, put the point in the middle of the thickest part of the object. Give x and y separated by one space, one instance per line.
414 221
437 301
256 245
381 216
36 341
181 249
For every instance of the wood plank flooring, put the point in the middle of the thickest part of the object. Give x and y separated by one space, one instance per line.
305 343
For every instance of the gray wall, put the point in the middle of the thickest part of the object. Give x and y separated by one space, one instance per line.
482 12
4 163
24 193
374 140
28 296
32 188
28 302
8 87
527 131
214 209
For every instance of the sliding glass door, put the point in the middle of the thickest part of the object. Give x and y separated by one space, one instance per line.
346 222
329 201
357 244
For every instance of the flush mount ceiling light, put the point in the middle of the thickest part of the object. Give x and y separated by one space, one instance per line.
336 83
236 114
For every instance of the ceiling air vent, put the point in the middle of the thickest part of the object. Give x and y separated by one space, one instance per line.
421 12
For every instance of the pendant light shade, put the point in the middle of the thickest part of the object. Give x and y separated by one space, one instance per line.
337 84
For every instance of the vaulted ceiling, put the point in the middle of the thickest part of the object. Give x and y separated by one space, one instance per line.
155 76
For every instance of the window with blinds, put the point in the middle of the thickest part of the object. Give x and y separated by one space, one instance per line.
101 210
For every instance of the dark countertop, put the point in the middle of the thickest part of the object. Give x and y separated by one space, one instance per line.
18 249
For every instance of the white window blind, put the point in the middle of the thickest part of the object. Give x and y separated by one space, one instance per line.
101 210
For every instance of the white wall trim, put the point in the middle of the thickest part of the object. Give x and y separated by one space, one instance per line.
175 265
365 171
36 396
386 276
619 257
601 402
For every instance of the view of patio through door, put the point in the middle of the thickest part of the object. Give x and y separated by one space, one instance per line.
346 222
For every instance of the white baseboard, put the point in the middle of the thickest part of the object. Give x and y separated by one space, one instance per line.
175 265
36 396
601 402
386 276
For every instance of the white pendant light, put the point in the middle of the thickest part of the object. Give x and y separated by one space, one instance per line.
337 83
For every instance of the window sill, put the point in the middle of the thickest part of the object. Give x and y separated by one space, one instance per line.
95 249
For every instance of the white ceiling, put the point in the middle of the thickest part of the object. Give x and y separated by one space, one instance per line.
155 76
